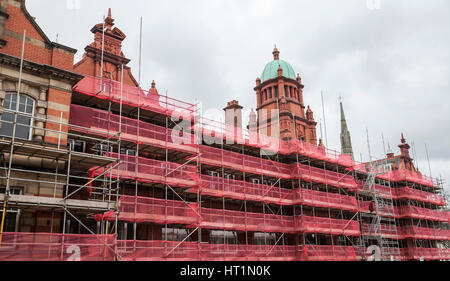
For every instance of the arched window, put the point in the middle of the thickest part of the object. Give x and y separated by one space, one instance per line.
24 117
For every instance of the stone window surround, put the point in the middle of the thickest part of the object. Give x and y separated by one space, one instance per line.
40 99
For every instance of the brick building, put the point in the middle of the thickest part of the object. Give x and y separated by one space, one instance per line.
101 171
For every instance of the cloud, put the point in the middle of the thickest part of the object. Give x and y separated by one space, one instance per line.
391 64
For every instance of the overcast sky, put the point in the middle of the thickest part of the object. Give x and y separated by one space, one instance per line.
390 60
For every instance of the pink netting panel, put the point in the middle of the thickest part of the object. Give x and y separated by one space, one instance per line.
132 96
406 175
325 199
327 225
217 157
423 196
308 173
150 170
322 153
327 253
100 122
242 190
154 250
57 247
416 232
237 161
245 221
425 253
422 213
193 251
145 209
212 252
386 231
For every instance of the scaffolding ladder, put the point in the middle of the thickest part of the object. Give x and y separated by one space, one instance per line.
382 229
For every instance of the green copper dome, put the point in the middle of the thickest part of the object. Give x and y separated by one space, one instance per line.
271 70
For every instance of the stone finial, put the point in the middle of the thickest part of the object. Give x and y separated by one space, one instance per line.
280 71
276 53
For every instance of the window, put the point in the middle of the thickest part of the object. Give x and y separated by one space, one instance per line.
124 151
223 237
175 234
214 174
12 215
100 149
229 176
77 145
264 238
276 91
270 92
255 181
24 117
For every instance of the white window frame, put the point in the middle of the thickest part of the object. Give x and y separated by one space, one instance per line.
12 111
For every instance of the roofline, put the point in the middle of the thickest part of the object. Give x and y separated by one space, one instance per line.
39 30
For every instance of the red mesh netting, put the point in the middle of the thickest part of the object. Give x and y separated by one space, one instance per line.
57 247
327 253
325 199
308 173
245 221
193 251
132 96
425 253
150 170
327 225
242 190
386 231
406 175
237 161
217 157
157 250
145 209
423 196
416 232
211 252
422 213
100 122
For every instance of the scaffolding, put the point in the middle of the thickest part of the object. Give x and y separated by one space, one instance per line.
155 194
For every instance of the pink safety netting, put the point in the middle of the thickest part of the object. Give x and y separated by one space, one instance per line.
422 213
217 157
245 221
425 253
145 209
132 96
310 224
426 233
309 173
400 175
325 199
406 175
150 170
327 253
193 251
386 231
216 129
102 123
57 247
242 190
408 193
423 196
237 161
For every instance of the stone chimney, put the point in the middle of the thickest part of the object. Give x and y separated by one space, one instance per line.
233 114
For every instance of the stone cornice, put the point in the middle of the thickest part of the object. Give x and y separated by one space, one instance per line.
40 69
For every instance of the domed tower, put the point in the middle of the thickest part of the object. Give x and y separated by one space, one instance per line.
279 88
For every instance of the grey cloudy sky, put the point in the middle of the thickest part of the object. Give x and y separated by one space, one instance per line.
390 61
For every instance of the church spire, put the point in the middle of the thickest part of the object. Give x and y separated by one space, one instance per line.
346 141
